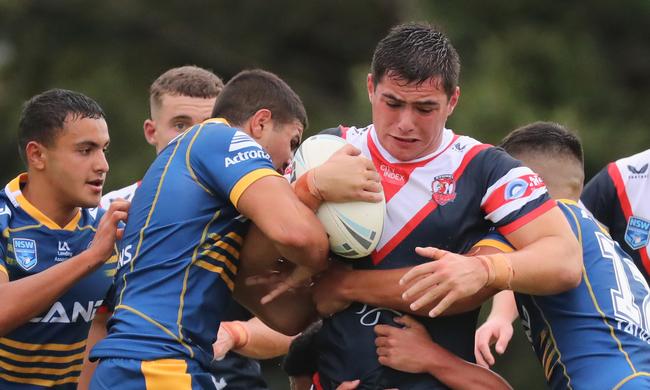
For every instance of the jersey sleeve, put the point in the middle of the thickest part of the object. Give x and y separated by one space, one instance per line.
515 195
494 239
227 160
599 196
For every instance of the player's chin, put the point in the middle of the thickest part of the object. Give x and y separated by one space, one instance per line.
89 200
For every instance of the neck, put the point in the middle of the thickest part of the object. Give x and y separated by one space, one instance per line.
38 192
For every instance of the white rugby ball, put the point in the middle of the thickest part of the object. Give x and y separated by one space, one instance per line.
354 228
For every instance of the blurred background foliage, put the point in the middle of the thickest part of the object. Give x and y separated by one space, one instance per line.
583 64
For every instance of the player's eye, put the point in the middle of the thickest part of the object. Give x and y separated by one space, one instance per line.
392 104
85 151
180 126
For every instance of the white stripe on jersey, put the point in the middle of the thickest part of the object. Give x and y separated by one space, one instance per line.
416 193
637 182
514 173
241 140
514 205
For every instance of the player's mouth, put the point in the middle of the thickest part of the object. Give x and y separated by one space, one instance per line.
96 185
404 140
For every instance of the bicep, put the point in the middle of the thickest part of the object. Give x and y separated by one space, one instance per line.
552 223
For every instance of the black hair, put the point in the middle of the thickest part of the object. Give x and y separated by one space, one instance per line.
43 116
543 137
253 90
416 52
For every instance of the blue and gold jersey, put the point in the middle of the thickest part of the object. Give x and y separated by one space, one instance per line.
180 250
48 350
596 335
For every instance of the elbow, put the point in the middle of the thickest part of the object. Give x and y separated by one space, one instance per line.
310 240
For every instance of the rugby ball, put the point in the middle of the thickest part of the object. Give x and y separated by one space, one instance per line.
354 228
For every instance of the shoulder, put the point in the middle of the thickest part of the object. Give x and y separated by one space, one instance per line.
635 165
7 211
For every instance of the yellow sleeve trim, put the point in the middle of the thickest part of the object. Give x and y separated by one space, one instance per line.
247 180
503 247
4 270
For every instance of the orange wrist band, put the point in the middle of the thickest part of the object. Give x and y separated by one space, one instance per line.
308 196
237 332
499 269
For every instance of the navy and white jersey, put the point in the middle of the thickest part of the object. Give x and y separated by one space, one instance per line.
596 335
126 193
180 250
47 352
619 197
448 199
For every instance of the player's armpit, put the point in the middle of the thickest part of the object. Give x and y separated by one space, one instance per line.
548 259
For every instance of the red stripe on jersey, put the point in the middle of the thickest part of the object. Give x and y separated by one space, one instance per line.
395 175
315 379
500 198
521 221
378 256
615 174
344 131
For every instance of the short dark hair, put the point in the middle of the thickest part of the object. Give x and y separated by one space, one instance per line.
253 90
543 137
302 356
43 116
416 52
188 80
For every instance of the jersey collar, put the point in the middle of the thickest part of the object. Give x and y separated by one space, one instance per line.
15 195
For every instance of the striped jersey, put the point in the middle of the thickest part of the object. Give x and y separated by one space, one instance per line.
619 197
597 335
448 199
47 352
180 250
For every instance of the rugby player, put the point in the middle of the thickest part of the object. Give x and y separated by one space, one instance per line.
185 234
57 255
595 335
618 197
443 190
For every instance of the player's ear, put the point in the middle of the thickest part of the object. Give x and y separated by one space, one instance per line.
36 155
149 127
371 86
260 122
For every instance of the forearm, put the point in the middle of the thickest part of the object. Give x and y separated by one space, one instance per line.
36 293
382 288
263 342
504 306
460 374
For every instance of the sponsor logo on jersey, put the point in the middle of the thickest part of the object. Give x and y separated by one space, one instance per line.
443 189
64 252
80 311
458 147
515 189
4 210
391 174
125 256
637 232
25 251
638 173
241 140
247 155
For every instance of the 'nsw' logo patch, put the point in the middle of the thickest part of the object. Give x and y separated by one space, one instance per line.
25 252
637 232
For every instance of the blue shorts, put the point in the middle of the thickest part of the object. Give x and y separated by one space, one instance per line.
163 374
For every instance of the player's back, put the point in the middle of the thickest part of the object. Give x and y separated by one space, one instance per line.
596 335
180 250
47 351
